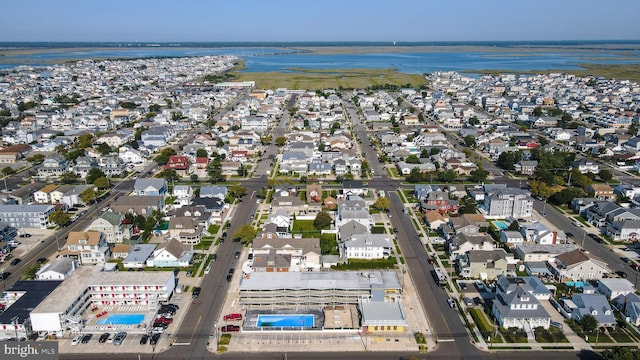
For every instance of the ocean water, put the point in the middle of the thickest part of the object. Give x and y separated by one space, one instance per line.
284 57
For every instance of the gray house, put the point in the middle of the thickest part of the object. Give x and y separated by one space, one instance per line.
151 187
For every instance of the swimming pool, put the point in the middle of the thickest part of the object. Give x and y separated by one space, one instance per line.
285 320
502 225
577 284
122 319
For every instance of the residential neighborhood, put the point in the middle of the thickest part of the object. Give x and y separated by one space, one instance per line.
521 190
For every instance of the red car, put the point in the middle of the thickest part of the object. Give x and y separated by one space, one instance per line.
230 317
230 328
164 320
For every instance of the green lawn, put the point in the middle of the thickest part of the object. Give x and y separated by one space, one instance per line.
551 335
619 335
306 228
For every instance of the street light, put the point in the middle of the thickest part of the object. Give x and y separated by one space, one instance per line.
14 322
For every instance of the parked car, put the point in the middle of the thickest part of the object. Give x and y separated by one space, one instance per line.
207 270
111 337
15 261
76 340
236 255
86 338
41 261
5 275
477 300
233 317
451 302
119 338
157 330
556 324
467 301
214 257
144 339
154 339
196 292
229 277
230 328
103 338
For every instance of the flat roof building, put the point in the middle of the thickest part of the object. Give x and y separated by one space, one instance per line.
318 288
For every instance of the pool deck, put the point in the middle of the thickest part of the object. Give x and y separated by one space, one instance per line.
92 325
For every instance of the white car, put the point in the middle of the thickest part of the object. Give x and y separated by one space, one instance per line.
76 340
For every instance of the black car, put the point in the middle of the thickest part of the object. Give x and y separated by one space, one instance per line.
236 255
5 275
103 338
477 300
232 270
15 261
214 257
196 292
158 324
229 277
622 274
86 338
41 261
224 234
154 339
143 339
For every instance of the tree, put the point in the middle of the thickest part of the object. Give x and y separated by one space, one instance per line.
281 141
36 159
328 244
102 183
169 174
514 226
7 170
322 220
201 153
104 149
537 111
245 233
237 191
605 175
507 160
470 141
479 174
565 196
59 217
93 174
193 177
620 353
447 175
163 157
589 322
382 203
88 195
412 159
68 178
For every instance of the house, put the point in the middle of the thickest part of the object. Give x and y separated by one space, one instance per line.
272 261
111 225
354 187
58 269
602 192
178 163
439 200
526 167
151 187
185 230
511 238
596 305
42 196
304 253
120 251
198 213
538 233
517 303
629 305
183 195
293 162
366 246
463 243
219 192
353 208
382 317
53 166
71 197
624 230
138 255
541 253
24 194
434 219
613 288
314 193
485 265
139 205
171 254
215 206
585 165
88 247
578 265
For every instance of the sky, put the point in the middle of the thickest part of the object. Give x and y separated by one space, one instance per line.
318 20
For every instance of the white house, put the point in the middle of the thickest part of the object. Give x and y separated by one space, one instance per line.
59 269
613 288
516 304
366 246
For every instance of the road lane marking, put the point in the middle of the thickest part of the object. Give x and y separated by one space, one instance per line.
195 327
